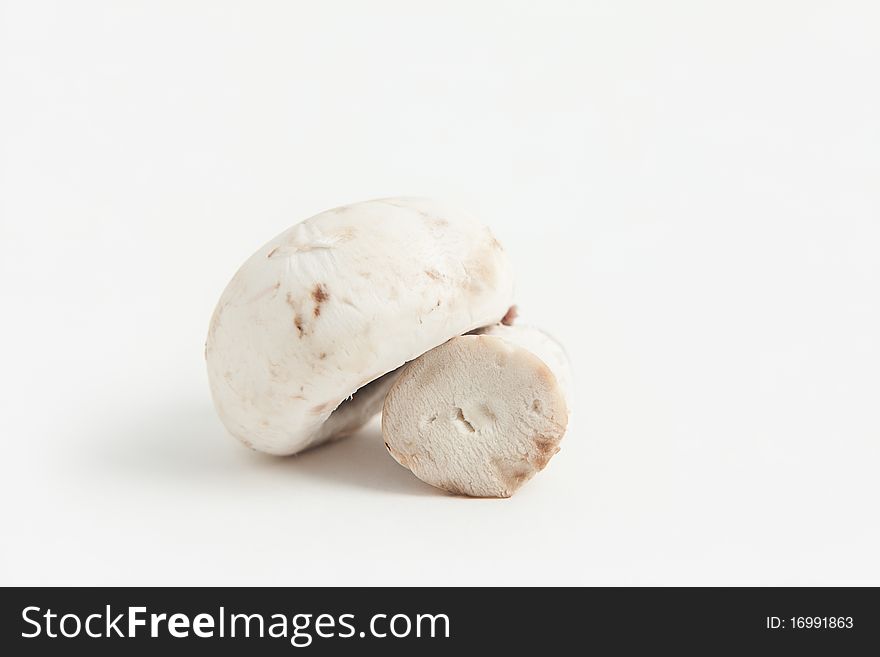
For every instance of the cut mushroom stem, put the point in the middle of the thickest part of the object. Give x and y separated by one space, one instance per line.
480 414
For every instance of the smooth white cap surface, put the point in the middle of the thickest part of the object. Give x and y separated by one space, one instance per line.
339 300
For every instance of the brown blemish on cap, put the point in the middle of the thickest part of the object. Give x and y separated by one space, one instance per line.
322 355
297 322
272 252
319 296
509 316
433 274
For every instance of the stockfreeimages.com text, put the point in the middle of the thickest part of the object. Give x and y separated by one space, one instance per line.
300 629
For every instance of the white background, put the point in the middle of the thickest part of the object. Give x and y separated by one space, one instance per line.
691 196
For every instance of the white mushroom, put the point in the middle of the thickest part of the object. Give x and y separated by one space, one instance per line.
336 302
480 414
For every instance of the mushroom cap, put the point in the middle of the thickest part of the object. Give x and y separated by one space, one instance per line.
480 414
339 300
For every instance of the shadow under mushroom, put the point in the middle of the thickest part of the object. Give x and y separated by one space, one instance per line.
186 441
